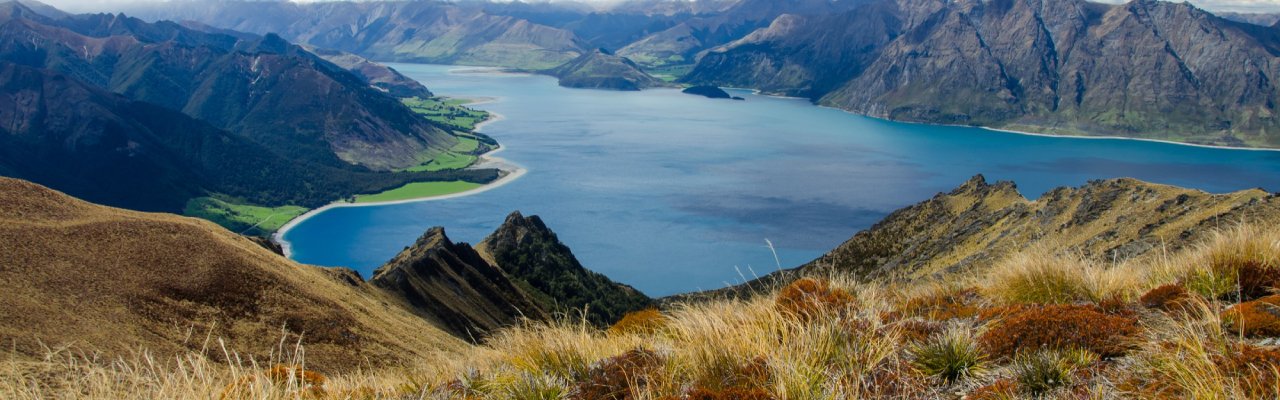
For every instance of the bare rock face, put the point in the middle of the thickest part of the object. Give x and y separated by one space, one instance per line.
450 283
1143 69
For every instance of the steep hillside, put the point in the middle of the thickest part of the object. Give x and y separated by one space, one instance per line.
378 75
532 256
102 279
263 88
450 283
407 31
603 70
60 132
1144 69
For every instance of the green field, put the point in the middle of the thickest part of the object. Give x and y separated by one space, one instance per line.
418 190
670 72
242 218
447 111
462 155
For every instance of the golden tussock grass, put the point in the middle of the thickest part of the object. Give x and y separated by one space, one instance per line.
1038 324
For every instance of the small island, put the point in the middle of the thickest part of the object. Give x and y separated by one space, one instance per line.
710 92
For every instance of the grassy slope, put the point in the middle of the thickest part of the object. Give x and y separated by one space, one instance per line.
239 217
835 338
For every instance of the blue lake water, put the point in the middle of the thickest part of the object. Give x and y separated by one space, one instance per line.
672 192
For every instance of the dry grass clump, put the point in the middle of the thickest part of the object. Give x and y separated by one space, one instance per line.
1040 372
1240 264
615 377
1059 327
1259 317
1038 276
643 322
940 303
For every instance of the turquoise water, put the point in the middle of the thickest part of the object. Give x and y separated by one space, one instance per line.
672 193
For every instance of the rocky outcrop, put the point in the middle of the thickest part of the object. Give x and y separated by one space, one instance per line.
601 69
1143 69
109 282
451 284
532 255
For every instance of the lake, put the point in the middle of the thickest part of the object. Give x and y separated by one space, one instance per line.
671 192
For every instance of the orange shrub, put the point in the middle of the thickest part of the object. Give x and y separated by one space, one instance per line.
809 298
309 383
941 305
913 330
1059 327
1166 298
1256 279
615 377
1001 389
1255 368
644 322
1260 317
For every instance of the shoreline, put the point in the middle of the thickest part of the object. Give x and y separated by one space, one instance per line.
511 171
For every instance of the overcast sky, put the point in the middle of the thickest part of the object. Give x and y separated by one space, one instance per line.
1212 5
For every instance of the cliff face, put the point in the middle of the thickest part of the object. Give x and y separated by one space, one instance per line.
602 70
107 280
450 283
531 254
1144 69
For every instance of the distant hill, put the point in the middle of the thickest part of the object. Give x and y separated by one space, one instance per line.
112 281
406 31
1146 69
603 70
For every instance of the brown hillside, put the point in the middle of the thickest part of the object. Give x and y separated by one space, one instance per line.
103 279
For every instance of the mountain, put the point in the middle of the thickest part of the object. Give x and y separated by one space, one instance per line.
105 148
451 284
1144 69
111 281
978 224
532 256
379 76
405 31
601 69
150 145
264 88
1264 19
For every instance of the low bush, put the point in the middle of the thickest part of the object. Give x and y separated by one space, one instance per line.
1256 369
809 298
1041 372
1058 327
1259 317
1166 298
616 377
940 305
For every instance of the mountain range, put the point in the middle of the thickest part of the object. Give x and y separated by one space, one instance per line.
1148 69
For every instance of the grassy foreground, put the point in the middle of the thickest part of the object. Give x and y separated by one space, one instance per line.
242 218
418 190
1037 325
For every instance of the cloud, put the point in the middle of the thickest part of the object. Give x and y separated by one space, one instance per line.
1241 6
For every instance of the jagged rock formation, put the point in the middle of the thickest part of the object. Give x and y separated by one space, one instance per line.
451 284
601 69
533 257
979 223
100 279
1143 69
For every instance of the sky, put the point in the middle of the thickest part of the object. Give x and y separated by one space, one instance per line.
1212 5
